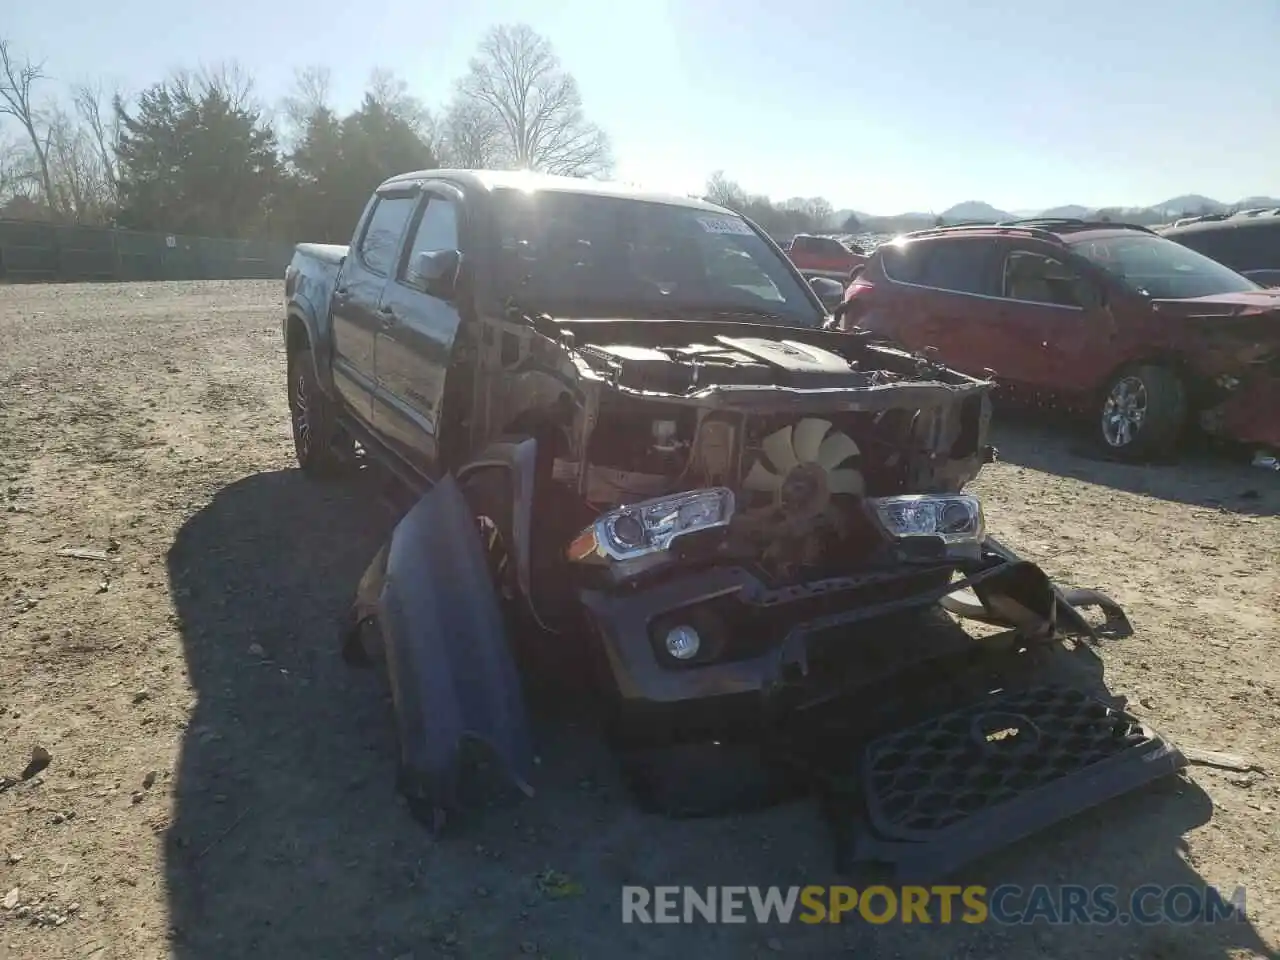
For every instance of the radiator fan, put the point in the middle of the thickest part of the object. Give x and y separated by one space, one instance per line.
811 442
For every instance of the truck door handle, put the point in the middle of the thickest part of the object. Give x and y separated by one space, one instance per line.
341 294
388 317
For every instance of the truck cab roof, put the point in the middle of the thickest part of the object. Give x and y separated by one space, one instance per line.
488 180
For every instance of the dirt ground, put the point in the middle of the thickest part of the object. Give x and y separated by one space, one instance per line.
221 784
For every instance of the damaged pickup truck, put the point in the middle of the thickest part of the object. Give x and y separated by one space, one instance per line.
635 452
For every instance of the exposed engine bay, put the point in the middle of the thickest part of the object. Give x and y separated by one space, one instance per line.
697 415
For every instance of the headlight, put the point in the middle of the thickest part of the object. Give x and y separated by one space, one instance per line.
955 518
648 527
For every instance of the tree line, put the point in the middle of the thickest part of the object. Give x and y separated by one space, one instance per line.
199 153
784 219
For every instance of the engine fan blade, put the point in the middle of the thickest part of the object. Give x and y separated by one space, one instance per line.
777 447
807 437
761 480
845 481
837 448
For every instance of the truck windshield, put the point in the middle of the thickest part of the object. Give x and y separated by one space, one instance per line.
1160 268
575 253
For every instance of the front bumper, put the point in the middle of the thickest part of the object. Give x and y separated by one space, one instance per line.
1248 415
771 638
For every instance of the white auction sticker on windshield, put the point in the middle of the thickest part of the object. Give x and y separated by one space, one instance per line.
724 225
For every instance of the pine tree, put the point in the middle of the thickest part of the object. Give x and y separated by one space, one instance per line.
195 161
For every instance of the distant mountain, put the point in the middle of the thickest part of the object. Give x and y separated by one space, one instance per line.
1161 213
1072 210
1190 203
840 216
975 210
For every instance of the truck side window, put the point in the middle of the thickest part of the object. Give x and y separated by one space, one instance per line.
437 230
382 235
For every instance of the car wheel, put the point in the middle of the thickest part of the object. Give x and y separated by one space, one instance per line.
317 438
1144 411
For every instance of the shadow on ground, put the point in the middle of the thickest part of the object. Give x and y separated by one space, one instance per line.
288 840
1205 474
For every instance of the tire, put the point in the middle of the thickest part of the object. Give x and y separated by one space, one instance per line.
1142 412
317 438
707 780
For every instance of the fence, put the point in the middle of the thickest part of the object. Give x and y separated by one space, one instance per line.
34 252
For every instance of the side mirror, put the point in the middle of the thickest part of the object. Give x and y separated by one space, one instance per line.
830 292
435 272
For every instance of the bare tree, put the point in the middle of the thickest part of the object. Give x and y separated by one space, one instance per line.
517 77
309 94
472 137
228 79
17 100
15 172
392 92
820 211
83 177
102 126
725 192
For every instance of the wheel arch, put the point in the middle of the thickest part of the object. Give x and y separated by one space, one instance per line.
517 456
1171 359
300 332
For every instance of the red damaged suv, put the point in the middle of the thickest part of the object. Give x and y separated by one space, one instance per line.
1142 334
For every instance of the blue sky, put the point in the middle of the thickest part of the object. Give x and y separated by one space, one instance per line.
881 107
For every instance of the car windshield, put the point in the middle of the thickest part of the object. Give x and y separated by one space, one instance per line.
1159 268
574 253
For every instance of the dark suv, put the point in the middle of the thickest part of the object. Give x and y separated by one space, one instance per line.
1247 242
1139 332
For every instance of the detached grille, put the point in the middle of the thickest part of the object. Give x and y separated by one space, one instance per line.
930 776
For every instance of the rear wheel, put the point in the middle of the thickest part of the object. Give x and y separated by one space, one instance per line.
317 438
1144 411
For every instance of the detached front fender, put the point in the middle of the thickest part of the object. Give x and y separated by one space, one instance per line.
451 671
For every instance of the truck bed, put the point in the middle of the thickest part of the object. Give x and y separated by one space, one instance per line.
324 252
309 281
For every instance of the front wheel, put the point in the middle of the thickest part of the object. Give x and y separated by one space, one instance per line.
1144 411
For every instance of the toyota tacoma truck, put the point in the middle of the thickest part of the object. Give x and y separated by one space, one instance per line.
634 451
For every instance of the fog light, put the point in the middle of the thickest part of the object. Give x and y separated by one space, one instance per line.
683 642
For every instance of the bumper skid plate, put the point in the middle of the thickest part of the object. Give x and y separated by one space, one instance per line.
956 787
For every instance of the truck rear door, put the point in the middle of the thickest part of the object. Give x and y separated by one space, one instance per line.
416 336
369 265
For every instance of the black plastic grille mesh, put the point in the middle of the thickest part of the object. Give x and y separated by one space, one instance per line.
927 777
